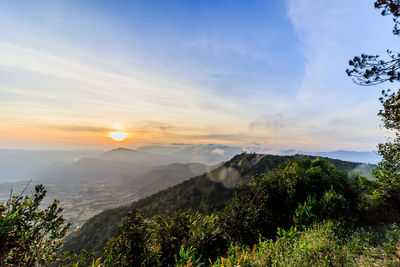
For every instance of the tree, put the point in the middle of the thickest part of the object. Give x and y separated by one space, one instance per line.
30 236
369 70
273 200
133 246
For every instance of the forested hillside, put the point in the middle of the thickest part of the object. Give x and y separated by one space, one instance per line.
205 193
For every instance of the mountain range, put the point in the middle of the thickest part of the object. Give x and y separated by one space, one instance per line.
20 165
88 182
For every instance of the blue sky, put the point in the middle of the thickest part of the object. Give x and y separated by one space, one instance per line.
268 73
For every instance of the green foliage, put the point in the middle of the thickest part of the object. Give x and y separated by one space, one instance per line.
388 172
187 257
334 205
288 203
189 230
304 215
164 241
82 259
132 247
365 184
171 234
273 200
96 231
208 237
30 236
197 194
321 246
292 233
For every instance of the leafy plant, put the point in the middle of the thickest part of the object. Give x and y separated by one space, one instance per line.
29 235
133 246
303 215
187 257
290 234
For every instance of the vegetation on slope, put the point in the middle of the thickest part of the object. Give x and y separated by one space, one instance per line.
292 202
320 245
205 193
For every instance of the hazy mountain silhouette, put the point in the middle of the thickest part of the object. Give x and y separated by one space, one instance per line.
27 164
347 155
87 170
207 154
16 165
131 155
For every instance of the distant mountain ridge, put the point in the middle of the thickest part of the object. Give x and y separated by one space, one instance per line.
346 155
87 170
117 163
17 165
24 164
127 154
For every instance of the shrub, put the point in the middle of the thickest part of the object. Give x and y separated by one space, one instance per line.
133 246
165 241
30 236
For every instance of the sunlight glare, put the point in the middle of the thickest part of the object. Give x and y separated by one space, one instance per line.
118 136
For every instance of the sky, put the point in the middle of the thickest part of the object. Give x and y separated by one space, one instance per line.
258 73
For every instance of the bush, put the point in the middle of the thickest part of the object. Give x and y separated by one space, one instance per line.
207 236
133 246
30 236
165 241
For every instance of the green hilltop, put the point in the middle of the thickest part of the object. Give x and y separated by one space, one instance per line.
205 193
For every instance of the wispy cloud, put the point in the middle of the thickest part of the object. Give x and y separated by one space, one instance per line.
218 151
272 122
80 128
228 79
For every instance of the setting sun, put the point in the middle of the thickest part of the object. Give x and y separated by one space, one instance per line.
118 136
